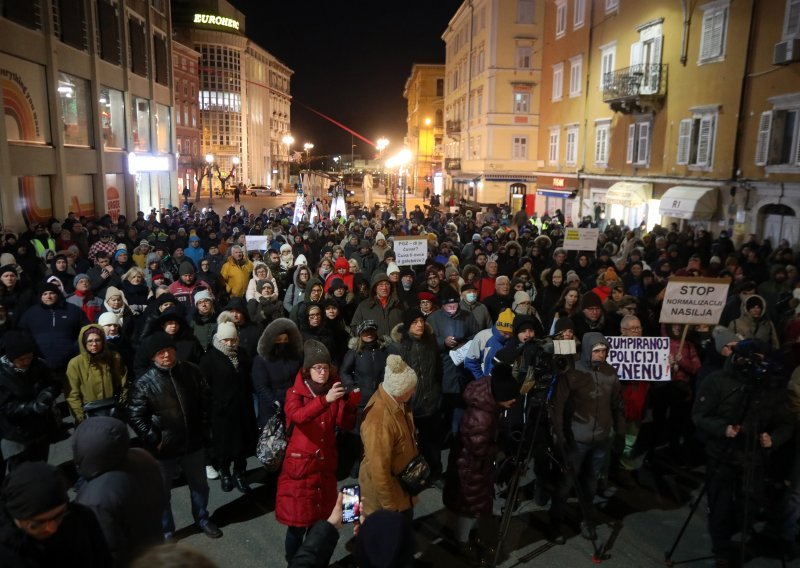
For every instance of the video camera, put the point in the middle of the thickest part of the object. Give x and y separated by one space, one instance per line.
546 357
752 358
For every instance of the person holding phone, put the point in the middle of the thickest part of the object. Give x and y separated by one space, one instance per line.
315 406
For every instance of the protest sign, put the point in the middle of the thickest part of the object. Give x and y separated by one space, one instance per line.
256 242
410 251
580 239
697 301
640 358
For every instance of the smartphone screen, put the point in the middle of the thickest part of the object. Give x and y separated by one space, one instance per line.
351 503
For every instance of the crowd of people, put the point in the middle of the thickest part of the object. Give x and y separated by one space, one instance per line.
172 325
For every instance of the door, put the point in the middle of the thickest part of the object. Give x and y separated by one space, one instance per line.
650 40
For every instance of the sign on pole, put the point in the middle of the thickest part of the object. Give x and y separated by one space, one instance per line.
410 251
580 239
698 301
256 242
640 358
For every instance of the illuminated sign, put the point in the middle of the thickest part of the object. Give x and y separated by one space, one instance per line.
147 163
216 20
558 182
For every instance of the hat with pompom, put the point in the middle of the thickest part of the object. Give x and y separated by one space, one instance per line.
398 378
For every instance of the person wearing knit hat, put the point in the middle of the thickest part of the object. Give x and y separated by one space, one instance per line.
522 303
78 278
317 405
387 433
18 344
505 322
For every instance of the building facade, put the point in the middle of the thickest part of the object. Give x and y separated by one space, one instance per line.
87 95
185 70
243 117
491 107
424 91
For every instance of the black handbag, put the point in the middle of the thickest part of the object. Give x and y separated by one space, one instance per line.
104 407
416 476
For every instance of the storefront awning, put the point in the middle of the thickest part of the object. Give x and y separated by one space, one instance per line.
687 202
557 193
629 194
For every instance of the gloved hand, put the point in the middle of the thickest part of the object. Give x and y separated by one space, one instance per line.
354 397
45 398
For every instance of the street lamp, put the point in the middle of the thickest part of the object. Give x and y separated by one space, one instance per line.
427 123
381 146
308 146
400 161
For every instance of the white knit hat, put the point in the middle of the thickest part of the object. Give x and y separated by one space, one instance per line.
392 267
398 378
227 330
203 295
108 318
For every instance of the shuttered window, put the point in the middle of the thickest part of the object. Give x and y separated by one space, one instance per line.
712 42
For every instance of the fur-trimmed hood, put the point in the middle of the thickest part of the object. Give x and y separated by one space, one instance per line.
514 245
398 333
276 328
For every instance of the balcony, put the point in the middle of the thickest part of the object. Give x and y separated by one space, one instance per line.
636 89
453 127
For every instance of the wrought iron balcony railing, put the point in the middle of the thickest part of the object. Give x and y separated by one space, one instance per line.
638 85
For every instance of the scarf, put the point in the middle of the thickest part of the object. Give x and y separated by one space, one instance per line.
227 350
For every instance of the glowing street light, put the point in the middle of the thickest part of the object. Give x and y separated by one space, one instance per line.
308 146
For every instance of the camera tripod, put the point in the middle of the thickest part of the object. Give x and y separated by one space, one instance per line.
521 459
749 478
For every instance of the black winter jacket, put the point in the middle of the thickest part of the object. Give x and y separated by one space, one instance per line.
363 367
22 419
422 355
170 410
274 373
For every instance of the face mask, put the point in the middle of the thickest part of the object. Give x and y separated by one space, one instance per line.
325 271
471 297
406 285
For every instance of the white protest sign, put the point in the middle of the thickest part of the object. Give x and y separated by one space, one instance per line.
580 239
640 358
694 300
410 250
256 242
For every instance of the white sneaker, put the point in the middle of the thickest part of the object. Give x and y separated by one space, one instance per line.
211 473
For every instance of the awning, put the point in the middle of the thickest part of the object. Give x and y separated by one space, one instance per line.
629 194
557 193
687 202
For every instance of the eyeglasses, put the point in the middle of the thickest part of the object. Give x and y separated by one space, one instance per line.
321 369
98 340
634 329
314 315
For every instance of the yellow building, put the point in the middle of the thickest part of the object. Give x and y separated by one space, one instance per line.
424 91
491 105
652 134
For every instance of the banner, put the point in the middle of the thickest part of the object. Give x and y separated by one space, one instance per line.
256 242
694 300
640 358
410 251
581 239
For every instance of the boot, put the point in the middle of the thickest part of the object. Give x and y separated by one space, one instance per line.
241 482
225 480
469 555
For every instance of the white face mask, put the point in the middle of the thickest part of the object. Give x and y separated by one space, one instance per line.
471 297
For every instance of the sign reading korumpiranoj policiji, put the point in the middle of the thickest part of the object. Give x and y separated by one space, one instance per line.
697 301
640 358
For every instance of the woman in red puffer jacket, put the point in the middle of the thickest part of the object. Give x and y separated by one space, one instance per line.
314 407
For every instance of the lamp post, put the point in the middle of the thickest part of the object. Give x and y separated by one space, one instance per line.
308 146
401 161
288 140
427 123
381 146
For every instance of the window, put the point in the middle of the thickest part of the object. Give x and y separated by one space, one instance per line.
112 118
791 26
696 140
28 13
552 150
524 57
522 103
575 75
520 148
73 95
138 46
608 55
714 32
439 87
480 101
578 14
561 18
558 81
70 22
611 5
601 138
638 144
108 31
525 11
571 157
163 129
140 124
160 59
778 141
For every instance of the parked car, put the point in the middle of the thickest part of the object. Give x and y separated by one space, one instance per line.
256 190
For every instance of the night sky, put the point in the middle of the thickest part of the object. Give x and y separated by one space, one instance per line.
351 59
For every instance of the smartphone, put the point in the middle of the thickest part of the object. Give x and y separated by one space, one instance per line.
351 503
